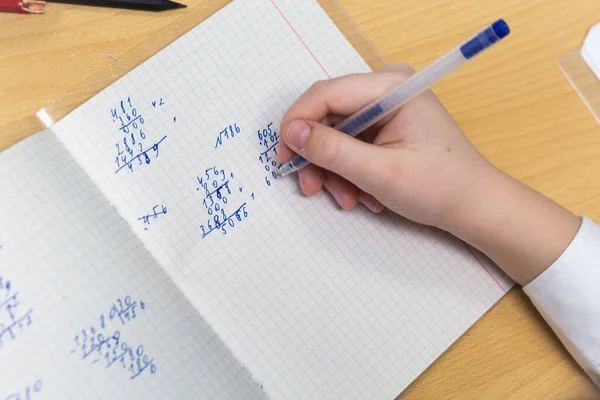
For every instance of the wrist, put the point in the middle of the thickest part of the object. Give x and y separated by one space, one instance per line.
481 188
522 231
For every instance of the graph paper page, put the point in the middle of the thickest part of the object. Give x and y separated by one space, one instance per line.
85 310
316 302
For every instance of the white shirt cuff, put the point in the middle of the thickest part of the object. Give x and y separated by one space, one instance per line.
567 295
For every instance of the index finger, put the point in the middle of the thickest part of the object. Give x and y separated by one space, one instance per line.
341 96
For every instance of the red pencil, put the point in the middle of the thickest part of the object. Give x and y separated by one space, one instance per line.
23 6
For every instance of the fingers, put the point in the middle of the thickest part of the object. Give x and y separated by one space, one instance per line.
311 179
284 153
341 96
344 95
344 192
327 148
334 151
370 202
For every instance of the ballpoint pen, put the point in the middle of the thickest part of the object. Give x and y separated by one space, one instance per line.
416 84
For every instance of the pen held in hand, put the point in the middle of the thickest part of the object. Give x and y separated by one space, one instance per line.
415 85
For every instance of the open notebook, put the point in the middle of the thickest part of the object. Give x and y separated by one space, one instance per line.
147 250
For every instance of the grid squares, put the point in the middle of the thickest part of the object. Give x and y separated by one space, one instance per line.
70 256
294 293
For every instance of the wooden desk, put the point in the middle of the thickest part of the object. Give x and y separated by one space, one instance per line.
514 104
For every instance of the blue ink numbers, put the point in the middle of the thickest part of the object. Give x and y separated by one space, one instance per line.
14 319
217 187
224 221
227 133
159 103
27 393
124 310
95 345
130 123
268 140
135 147
214 182
156 211
112 350
128 118
142 155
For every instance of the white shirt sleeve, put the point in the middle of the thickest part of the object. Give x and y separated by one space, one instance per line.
567 295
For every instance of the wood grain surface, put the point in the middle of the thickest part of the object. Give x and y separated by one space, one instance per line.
513 103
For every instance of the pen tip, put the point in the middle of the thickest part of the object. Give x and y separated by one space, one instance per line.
282 170
285 169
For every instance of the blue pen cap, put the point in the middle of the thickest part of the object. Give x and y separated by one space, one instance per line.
485 38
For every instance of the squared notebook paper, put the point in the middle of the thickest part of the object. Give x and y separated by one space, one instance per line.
148 251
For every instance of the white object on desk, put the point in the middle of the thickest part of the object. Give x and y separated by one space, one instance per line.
590 51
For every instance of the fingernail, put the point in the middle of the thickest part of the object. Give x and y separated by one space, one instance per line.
369 202
298 134
338 197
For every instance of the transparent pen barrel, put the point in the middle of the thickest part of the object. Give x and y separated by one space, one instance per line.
414 86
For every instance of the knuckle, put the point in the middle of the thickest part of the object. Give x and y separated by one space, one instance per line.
404 72
405 68
400 69
317 86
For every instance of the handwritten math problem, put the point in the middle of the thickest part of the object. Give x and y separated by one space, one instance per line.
268 139
101 344
224 200
222 193
227 133
135 148
28 393
156 211
14 318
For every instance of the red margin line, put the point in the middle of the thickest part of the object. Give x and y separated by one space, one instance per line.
302 41
483 266
329 76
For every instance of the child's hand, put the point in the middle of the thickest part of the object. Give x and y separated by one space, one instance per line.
419 164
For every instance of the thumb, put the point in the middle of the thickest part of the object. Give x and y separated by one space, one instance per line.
333 150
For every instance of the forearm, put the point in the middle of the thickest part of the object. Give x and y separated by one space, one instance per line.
522 231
